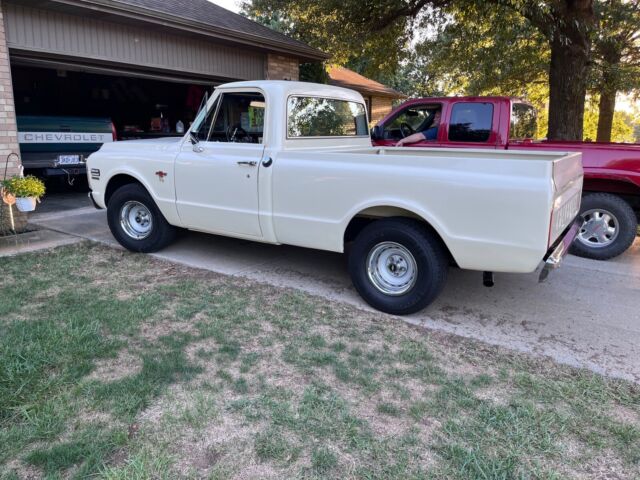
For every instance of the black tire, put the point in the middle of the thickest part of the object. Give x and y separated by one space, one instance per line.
626 221
160 233
430 256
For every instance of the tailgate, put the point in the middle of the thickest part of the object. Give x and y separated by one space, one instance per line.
63 134
567 193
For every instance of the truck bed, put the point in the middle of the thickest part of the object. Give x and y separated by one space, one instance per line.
497 195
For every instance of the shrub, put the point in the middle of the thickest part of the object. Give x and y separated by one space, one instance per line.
28 186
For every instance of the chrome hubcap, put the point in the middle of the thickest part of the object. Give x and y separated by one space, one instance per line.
391 268
136 220
599 228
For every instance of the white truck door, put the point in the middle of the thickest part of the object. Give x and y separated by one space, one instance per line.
216 178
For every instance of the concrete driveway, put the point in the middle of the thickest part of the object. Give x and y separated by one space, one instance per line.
587 314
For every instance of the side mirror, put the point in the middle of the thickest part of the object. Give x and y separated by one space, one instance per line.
195 141
376 133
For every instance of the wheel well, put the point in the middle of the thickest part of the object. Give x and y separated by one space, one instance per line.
626 190
115 183
369 215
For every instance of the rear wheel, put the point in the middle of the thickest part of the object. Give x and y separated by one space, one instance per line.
398 266
608 229
136 222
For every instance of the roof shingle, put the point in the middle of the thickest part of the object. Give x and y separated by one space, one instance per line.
343 77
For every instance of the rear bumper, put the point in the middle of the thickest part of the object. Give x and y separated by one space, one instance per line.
71 170
560 248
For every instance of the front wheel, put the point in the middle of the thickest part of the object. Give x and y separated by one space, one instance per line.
398 266
136 222
609 227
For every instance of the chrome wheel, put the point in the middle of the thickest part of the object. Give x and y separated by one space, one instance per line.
391 268
599 228
136 220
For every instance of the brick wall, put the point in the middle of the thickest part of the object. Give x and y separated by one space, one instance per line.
281 67
380 106
8 129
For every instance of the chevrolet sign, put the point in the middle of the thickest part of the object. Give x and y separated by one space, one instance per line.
63 137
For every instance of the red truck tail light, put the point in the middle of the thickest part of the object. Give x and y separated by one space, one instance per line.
113 132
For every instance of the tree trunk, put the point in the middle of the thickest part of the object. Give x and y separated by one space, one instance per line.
569 35
567 91
605 116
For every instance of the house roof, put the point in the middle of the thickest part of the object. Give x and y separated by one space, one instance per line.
210 19
343 77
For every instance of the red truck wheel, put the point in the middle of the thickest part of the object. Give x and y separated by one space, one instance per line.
609 227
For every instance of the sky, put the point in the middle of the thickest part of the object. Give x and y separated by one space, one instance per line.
232 5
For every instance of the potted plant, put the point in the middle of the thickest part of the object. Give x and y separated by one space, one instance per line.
27 191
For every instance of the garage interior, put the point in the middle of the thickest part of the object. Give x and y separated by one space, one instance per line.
129 102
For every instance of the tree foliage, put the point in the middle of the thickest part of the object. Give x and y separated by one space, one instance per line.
528 48
616 57
349 30
486 49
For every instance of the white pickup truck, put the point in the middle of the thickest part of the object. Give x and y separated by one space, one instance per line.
292 163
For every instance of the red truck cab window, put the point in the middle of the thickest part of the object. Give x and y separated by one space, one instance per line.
471 122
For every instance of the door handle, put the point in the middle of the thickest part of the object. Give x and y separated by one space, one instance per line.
248 164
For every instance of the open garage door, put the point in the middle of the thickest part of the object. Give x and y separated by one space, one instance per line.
134 103
57 98
26 60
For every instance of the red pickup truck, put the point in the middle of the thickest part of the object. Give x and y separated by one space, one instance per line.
611 200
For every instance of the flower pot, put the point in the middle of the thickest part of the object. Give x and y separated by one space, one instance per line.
26 204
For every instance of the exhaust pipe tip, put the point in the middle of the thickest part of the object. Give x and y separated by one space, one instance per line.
487 279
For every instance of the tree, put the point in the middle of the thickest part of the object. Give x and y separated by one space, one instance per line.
343 28
622 123
351 28
466 53
616 57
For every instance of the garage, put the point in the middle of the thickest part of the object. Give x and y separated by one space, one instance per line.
129 102
142 65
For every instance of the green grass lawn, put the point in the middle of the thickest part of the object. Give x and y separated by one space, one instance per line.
120 366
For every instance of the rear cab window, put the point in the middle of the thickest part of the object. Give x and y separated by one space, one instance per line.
524 122
471 122
325 117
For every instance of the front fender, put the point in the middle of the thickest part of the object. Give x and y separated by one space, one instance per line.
161 189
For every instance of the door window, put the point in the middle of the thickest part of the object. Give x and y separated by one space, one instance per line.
234 118
471 122
411 120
